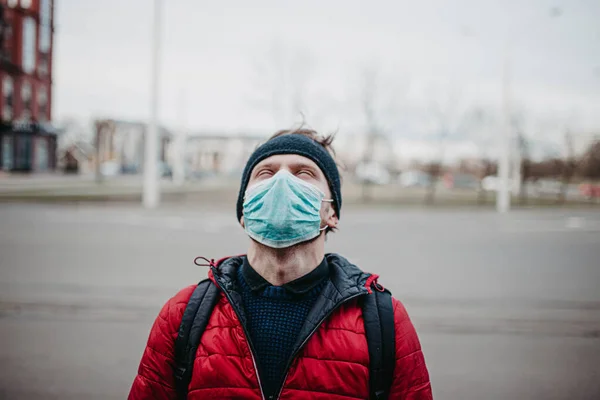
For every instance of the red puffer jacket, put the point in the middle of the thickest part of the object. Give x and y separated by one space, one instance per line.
332 363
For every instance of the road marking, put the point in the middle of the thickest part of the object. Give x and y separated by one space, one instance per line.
219 222
575 223
175 223
198 223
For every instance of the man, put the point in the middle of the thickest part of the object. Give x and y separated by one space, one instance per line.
288 319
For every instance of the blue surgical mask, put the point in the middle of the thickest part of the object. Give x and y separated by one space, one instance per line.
283 210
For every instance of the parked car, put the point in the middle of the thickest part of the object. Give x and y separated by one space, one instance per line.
547 186
373 173
129 169
492 184
589 190
461 181
414 179
164 170
110 168
199 175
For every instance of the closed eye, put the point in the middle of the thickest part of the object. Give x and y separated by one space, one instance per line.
305 172
264 173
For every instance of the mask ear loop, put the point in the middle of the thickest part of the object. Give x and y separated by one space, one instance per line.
326 226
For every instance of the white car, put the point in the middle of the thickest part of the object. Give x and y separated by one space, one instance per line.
110 168
373 172
414 179
492 184
547 186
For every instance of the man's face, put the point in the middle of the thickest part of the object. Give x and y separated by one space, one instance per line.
303 168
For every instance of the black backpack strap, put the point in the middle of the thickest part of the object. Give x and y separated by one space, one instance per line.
194 321
378 315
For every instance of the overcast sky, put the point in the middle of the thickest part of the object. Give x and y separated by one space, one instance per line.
218 59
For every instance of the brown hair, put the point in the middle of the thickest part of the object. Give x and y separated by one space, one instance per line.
324 140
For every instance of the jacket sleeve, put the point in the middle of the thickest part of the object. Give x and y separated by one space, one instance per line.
411 378
155 378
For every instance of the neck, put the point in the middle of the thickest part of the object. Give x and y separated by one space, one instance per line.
280 266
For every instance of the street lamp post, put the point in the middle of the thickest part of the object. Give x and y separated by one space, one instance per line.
504 161
503 193
179 159
151 194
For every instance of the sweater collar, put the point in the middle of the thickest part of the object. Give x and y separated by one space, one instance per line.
302 285
346 278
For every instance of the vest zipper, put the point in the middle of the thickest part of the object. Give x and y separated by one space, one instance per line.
246 333
295 352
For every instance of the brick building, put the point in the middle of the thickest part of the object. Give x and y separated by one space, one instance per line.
27 139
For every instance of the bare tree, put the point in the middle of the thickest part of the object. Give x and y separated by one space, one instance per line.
525 166
478 124
281 83
488 168
556 126
369 91
526 128
590 161
521 167
380 102
449 121
569 168
104 131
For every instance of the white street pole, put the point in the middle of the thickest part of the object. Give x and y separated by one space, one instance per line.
506 141
151 195
179 159
516 165
503 193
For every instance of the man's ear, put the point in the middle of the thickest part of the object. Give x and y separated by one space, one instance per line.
333 220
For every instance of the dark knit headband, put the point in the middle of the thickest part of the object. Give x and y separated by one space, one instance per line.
303 146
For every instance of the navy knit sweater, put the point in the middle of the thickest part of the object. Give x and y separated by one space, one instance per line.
275 316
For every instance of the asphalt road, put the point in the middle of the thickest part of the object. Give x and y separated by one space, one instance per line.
507 307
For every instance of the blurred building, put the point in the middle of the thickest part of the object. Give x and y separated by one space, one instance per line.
77 158
221 154
121 144
75 151
410 151
351 150
27 139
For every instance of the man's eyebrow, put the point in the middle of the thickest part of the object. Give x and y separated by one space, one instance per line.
302 164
